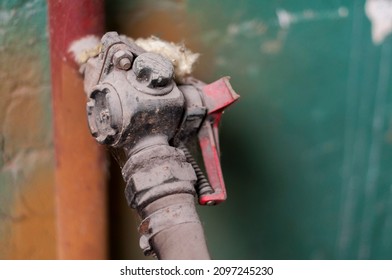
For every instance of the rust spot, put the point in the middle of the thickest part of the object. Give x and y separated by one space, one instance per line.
144 227
80 174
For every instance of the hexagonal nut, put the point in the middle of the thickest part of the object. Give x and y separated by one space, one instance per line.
171 171
153 69
159 181
122 59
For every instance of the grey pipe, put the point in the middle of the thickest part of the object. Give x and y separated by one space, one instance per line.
184 241
160 185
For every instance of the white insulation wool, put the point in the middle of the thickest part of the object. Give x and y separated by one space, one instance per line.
84 48
182 58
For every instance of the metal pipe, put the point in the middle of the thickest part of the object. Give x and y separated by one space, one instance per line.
80 174
184 241
160 185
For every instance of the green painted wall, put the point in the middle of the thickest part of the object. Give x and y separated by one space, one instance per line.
27 228
307 152
308 149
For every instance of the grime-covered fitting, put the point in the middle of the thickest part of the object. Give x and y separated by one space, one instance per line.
135 106
137 109
156 171
131 95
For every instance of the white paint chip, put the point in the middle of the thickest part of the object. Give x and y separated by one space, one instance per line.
343 12
284 18
379 13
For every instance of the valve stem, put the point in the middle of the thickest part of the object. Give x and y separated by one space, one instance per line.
202 185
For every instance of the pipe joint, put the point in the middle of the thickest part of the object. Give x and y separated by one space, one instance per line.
155 172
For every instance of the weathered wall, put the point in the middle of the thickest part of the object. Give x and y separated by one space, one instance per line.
27 228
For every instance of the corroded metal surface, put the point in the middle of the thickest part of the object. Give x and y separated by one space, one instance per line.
80 162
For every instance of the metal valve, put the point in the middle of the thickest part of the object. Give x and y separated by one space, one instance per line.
134 104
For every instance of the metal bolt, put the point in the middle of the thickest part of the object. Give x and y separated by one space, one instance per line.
123 60
125 63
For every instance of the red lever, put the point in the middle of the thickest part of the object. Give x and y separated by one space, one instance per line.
217 96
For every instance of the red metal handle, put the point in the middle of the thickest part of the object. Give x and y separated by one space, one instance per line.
217 96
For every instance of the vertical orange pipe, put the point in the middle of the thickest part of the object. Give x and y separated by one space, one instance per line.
80 174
